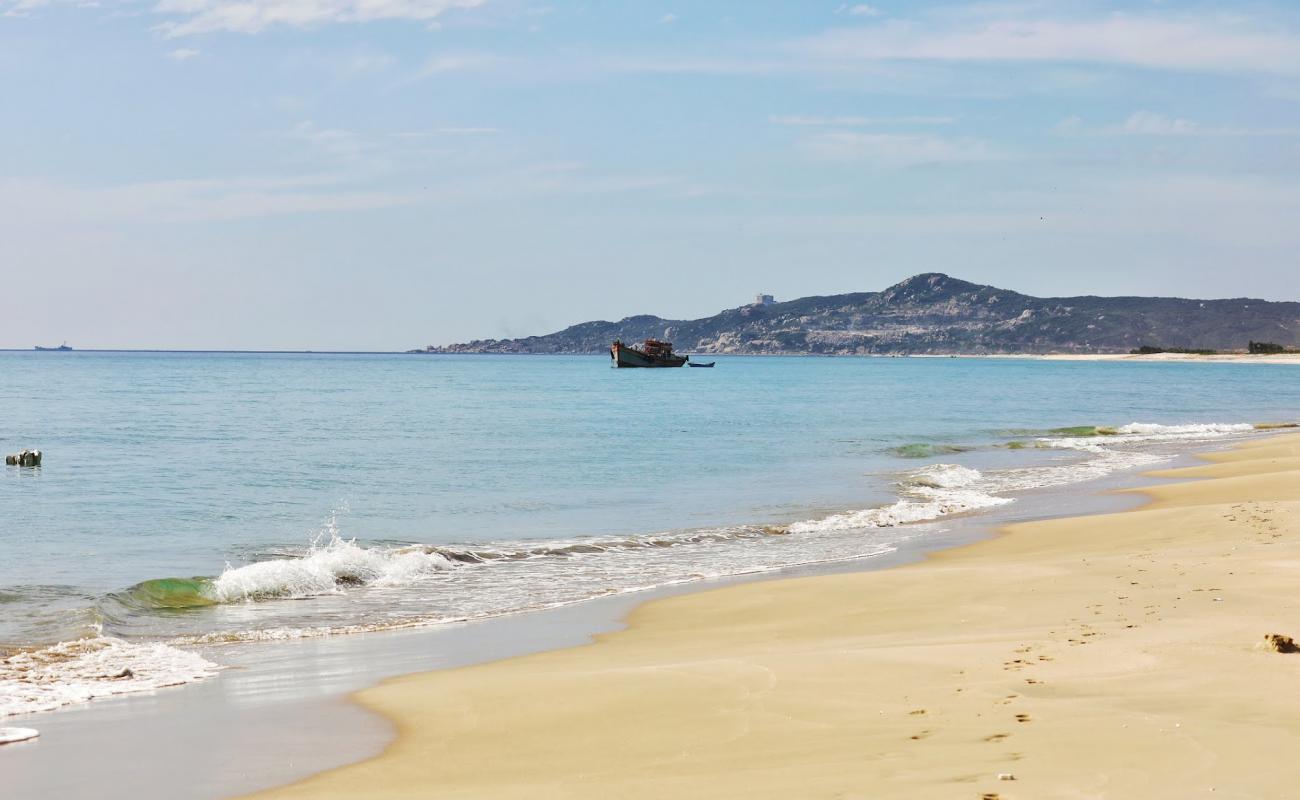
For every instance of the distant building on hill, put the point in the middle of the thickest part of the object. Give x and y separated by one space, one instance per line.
764 299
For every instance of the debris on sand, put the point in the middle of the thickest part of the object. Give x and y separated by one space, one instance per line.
1281 644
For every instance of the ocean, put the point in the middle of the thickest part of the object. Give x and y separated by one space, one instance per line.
188 500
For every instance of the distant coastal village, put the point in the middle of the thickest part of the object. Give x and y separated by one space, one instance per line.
935 314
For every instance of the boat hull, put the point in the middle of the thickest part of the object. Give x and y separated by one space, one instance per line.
625 357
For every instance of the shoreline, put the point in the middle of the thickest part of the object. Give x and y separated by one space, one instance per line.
280 712
1216 358
881 683
1221 358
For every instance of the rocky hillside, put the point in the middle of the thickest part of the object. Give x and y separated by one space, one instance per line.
933 313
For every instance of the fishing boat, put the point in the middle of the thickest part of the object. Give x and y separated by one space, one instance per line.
60 349
650 353
700 363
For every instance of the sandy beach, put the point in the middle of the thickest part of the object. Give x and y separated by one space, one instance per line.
1217 358
1118 655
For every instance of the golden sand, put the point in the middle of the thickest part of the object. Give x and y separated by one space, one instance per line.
1226 358
1116 656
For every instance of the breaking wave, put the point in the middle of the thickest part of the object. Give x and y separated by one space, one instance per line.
336 565
341 564
929 493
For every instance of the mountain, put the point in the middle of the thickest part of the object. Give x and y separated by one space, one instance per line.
934 313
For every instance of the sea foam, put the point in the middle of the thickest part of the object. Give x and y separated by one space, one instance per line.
82 670
941 490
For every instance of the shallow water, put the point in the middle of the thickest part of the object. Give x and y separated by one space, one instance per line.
199 498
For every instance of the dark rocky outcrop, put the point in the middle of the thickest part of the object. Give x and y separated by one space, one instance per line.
937 314
26 458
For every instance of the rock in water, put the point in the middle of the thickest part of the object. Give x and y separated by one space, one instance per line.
1281 644
27 458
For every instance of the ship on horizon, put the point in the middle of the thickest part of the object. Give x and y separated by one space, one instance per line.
60 349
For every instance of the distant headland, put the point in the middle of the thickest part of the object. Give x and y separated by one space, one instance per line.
933 313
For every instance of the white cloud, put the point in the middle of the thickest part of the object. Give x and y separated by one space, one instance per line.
1212 44
896 150
447 131
183 54
857 122
355 156
21 8
254 16
186 200
674 65
1242 213
1071 124
330 141
859 10
329 186
454 62
667 19
571 177
1149 123
364 62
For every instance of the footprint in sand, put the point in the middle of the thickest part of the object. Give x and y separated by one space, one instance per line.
917 712
921 735
1022 718
996 737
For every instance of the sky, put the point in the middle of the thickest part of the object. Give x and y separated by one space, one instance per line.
385 174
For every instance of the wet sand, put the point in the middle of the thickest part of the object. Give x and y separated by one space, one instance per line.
1119 655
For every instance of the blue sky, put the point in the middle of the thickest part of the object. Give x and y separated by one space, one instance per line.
379 174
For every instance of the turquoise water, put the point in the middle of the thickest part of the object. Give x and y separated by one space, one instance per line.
197 498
